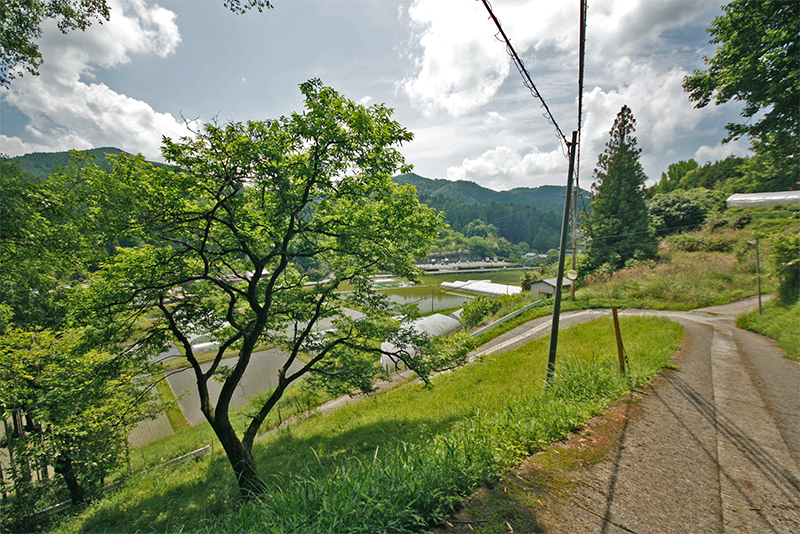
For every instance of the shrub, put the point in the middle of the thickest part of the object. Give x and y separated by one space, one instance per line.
479 309
786 266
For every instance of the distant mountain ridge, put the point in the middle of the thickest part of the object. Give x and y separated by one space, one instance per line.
41 164
532 215
545 198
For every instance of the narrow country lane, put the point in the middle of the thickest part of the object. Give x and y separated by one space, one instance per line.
711 446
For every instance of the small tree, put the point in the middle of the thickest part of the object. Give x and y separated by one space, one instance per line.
618 225
526 280
229 222
71 409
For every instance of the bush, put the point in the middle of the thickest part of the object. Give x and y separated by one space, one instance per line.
675 212
786 266
478 310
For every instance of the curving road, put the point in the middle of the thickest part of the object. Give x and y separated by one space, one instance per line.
711 447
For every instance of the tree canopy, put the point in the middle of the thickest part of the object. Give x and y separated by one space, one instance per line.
756 63
224 230
618 225
71 408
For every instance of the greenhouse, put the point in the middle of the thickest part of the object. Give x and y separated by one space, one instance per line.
483 287
433 325
763 200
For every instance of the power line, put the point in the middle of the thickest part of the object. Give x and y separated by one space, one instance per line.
526 78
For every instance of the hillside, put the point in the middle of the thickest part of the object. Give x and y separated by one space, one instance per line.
523 214
545 198
41 164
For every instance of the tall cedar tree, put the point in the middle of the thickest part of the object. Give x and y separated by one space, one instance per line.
619 223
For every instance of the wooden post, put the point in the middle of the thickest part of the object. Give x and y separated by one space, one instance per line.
620 349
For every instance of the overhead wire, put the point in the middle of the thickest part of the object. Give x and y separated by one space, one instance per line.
526 77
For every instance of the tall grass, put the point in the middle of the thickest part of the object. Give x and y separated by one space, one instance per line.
403 486
681 281
779 321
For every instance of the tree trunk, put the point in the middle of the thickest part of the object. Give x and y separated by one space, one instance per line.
63 466
241 460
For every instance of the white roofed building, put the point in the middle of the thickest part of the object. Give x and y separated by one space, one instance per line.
483 287
763 200
433 325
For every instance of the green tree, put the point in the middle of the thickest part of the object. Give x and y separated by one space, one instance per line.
71 408
21 26
714 175
241 205
786 266
44 243
527 279
675 212
756 62
618 225
671 180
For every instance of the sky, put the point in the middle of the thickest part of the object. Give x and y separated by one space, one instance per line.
158 68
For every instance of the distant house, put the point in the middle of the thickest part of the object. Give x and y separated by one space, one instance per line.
533 256
762 200
547 287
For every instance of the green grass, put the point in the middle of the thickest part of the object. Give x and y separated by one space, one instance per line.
779 321
681 281
401 459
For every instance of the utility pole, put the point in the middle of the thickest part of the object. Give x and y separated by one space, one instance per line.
551 359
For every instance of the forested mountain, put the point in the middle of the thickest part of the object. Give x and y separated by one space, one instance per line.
41 164
545 198
523 214
514 222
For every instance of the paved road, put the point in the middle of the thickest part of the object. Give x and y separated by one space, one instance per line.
711 447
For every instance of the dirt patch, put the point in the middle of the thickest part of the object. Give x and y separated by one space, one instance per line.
519 501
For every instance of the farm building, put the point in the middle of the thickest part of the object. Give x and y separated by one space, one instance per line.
483 287
763 200
547 287
433 325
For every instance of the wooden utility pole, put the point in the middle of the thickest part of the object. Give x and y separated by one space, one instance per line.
620 348
551 359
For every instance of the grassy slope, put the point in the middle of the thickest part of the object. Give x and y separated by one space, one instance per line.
203 491
779 321
186 496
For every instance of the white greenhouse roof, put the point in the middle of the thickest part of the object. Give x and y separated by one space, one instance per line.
433 325
483 287
756 200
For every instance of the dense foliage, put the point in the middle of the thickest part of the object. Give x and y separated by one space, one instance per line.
514 222
756 63
71 408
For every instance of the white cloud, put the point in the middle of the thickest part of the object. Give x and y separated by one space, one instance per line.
721 151
461 66
66 110
457 72
505 168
